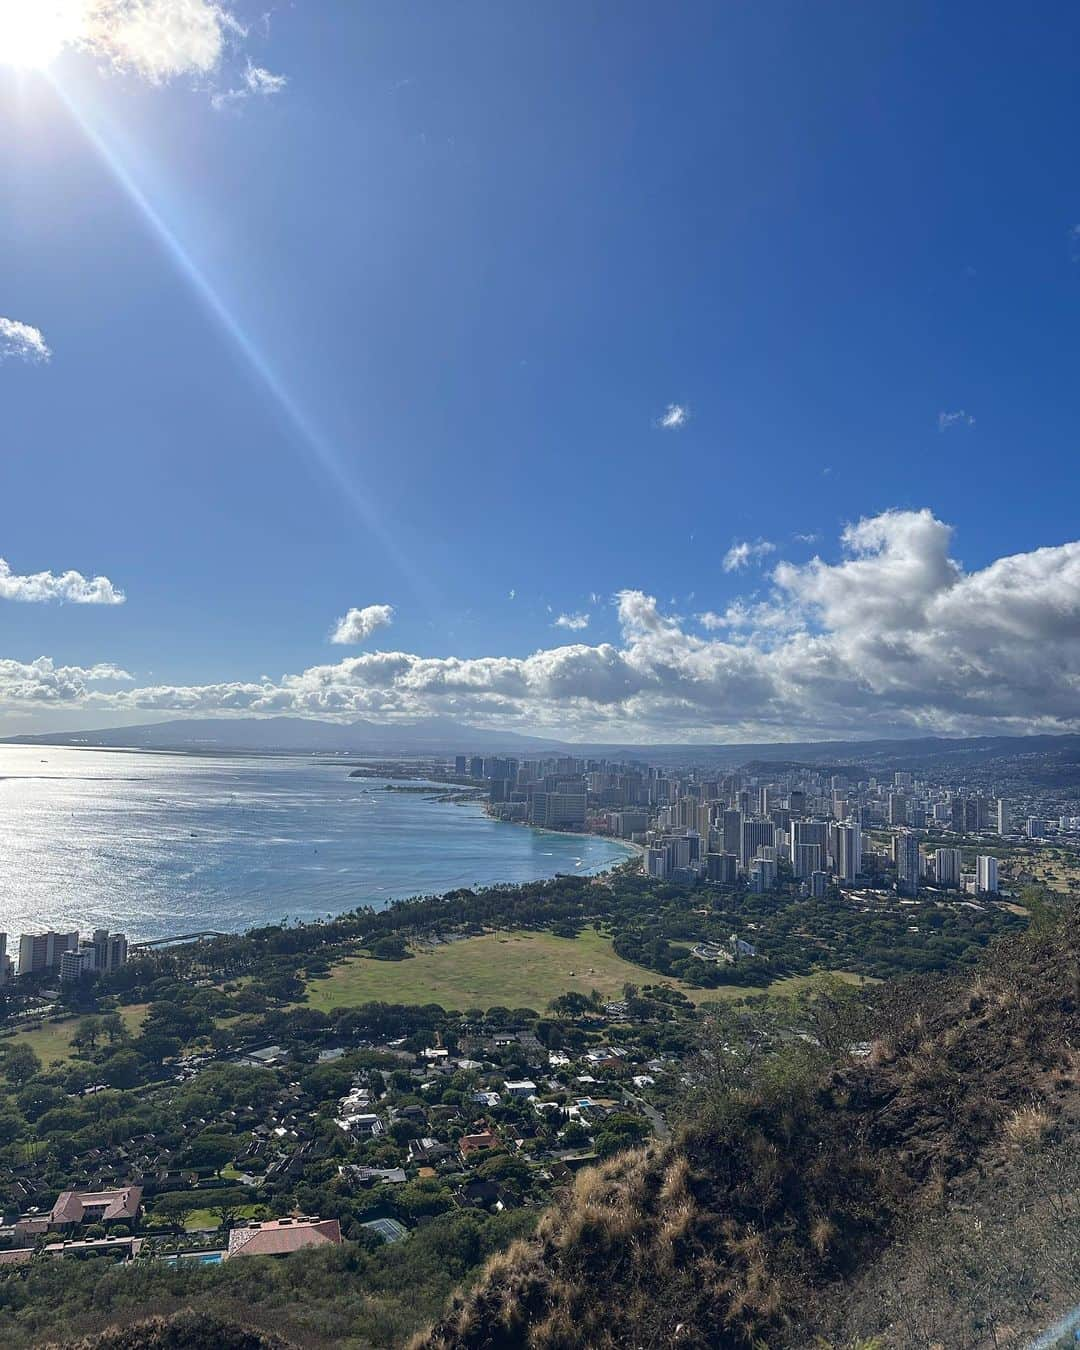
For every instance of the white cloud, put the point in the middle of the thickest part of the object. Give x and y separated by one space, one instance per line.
575 622
359 624
257 83
742 555
892 637
512 594
674 416
73 587
23 341
44 682
159 39
156 40
945 420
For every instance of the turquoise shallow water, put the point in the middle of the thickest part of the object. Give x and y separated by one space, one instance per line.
160 844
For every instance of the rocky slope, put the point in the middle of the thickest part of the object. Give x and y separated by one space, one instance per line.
873 1198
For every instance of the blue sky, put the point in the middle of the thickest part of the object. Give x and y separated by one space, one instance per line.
384 305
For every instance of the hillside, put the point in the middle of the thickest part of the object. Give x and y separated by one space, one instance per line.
877 1197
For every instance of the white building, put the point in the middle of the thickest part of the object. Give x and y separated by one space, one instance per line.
986 875
947 866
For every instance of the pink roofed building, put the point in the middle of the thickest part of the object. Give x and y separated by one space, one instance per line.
74 1207
279 1237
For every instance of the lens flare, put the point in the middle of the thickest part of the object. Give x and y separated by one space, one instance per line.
34 32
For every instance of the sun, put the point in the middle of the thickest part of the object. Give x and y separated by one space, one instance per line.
34 32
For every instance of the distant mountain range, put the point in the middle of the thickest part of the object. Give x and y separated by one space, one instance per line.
297 735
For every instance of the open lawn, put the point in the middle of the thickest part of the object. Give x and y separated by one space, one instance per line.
507 969
1059 868
52 1040
206 1218
511 970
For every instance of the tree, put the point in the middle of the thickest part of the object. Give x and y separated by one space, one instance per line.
176 1207
112 1024
20 1064
227 1214
87 1033
11 1126
122 1069
208 1152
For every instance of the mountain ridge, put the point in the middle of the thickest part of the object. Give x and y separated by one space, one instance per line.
443 736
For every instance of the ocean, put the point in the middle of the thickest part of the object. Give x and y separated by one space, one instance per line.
155 845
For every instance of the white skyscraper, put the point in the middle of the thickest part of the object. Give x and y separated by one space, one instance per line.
986 875
947 866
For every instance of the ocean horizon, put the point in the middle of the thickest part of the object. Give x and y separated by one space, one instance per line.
157 844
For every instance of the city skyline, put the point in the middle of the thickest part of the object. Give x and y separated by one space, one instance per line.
639 378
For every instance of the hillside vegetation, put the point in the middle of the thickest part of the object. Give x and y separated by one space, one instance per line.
923 1193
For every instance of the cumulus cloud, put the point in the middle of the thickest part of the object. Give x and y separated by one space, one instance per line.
359 624
891 636
39 587
44 682
575 622
960 418
156 40
674 416
742 555
23 341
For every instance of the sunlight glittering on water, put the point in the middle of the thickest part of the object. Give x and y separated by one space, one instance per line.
158 844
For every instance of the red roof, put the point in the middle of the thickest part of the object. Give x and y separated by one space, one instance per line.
471 1143
278 1237
71 1206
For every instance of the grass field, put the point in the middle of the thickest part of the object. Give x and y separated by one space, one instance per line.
52 1040
206 1218
508 969
1058 868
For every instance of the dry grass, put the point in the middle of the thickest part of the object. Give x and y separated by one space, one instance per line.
1028 1126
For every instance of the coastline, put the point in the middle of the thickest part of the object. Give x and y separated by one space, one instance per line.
632 850
236 842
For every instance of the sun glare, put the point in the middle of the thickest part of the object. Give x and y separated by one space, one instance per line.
33 32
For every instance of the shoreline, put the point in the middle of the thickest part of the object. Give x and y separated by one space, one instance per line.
299 884
634 850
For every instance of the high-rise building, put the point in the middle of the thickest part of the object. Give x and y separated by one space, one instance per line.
40 952
755 833
732 828
7 966
74 964
460 765
897 808
807 859
762 875
947 863
1004 816
986 875
721 867
906 857
819 884
848 851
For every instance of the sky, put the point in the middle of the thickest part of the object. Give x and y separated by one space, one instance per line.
610 371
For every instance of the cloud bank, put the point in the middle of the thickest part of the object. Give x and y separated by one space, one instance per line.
895 637
40 587
359 624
